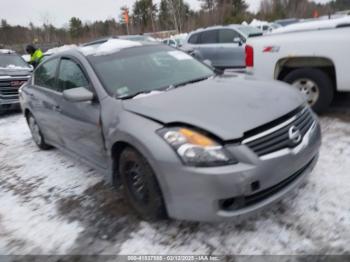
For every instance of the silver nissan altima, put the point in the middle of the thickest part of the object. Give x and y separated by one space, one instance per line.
182 141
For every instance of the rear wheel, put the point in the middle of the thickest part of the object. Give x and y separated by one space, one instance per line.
140 185
315 85
36 133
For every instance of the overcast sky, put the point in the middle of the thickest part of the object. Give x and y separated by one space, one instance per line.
58 12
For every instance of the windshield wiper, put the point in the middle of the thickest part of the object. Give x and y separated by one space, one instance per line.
124 97
191 81
170 87
167 88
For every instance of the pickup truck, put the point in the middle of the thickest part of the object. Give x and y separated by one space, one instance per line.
316 62
14 72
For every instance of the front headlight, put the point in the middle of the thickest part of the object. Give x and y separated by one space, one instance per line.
196 149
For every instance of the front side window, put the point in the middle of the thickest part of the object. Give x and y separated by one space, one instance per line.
45 75
145 69
227 36
209 37
70 75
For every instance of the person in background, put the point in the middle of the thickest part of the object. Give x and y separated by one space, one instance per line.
36 55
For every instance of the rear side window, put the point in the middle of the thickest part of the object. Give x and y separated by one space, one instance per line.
194 39
71 75
209 37
45 75
227 35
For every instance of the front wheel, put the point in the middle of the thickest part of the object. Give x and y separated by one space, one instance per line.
36 133
315 85
140 185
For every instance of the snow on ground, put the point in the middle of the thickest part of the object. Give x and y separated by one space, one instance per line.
51 204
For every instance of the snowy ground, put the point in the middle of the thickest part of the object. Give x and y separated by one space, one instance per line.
50 204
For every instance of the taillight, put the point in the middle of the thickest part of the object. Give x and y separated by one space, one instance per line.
249 56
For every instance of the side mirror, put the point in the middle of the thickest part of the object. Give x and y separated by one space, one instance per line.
79 94
238 41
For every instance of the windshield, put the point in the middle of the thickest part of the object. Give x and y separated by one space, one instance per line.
12 61
146 69
250 31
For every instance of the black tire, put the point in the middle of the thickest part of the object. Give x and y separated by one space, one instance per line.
323 83
36 134
140 185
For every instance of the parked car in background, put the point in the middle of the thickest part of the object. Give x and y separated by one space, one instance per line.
171 131
270 27
264 26
176 41
14 72
170 42
222 45
288 21
316 62
139 38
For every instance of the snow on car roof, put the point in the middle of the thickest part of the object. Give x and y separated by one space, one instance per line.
60 49
314 25
14 67
6 51
108 47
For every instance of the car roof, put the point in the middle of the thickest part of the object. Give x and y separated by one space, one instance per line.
232 26
126 37
99 41
7 51
100 47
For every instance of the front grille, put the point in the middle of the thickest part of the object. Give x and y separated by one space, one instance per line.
9 91
277 138
238 203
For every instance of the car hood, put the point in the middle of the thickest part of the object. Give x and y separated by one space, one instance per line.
224 106
14 72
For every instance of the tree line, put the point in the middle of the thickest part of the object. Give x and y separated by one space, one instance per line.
146 16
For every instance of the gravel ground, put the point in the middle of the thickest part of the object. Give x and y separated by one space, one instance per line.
51 204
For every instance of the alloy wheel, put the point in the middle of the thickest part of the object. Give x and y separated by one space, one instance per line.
309 89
